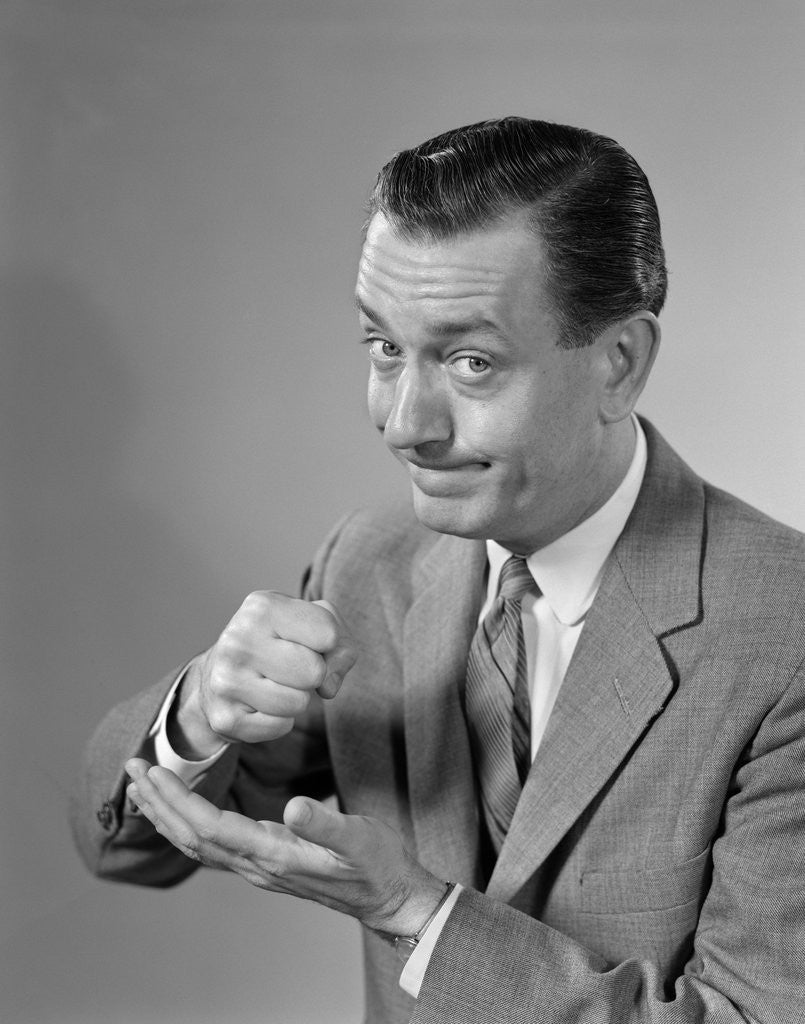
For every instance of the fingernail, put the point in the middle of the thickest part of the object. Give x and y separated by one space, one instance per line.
133 770
303 814
329 688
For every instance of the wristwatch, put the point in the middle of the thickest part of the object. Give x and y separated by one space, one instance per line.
406 944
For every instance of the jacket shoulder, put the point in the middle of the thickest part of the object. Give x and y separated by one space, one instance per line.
731 519
756 563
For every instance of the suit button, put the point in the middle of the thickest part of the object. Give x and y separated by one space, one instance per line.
106 816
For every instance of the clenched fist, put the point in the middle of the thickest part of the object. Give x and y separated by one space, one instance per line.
249 687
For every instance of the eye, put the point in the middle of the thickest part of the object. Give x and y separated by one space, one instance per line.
470 366
380 350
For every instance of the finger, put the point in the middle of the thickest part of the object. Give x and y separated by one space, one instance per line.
221 839
136 767
337 665
308 819
339 660
224 829
273 698
168 825
288 618
181 816
166 790
290 664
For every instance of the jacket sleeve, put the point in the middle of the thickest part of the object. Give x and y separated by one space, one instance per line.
117 842
114 840
495 965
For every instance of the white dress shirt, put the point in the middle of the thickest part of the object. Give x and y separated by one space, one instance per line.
568 573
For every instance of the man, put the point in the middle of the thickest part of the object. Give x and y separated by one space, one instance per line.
562 699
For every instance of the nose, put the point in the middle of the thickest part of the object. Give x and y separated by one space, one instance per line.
419 412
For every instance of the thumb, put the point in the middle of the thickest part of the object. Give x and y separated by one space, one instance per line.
340 659
322 825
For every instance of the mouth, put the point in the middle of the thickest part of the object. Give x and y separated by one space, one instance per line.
438 479
443 467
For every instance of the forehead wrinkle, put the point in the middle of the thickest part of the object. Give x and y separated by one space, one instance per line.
438 322
418 284
438 328
455 289
424 267
443 313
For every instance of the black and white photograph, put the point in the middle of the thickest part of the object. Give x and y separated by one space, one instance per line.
403 512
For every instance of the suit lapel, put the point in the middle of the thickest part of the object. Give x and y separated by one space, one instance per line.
438 631
616 683
618 679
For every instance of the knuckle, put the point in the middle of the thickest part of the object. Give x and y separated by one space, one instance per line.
207 832
260 606
222 719
255 878
230 649
189 843
274 869
219 682
186 843
255 603
190 849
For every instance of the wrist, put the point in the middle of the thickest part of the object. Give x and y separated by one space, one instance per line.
188 731
406 944
417 909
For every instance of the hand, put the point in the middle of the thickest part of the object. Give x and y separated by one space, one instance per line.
261 673
353 864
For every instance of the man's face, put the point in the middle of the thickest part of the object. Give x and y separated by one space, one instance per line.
497 426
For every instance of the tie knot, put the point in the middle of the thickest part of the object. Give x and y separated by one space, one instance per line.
515 579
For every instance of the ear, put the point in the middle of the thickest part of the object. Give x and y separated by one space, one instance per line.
630 348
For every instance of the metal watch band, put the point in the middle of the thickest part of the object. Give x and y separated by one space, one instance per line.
406 944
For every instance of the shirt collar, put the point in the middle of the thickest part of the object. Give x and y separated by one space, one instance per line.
568 571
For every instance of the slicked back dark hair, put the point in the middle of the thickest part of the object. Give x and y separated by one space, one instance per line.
586 198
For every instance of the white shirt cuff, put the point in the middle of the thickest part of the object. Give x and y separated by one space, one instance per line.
189 772
414 970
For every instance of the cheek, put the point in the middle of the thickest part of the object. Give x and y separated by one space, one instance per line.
527 447
506 431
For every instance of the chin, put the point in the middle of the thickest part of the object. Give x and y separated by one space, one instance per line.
451 515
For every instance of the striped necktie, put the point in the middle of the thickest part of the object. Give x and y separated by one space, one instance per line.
497 700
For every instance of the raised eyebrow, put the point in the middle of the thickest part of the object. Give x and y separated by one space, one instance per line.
457 328
370 314
439 328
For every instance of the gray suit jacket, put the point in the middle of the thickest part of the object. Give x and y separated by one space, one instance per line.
654 870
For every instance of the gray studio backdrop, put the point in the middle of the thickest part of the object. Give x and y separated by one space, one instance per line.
182 388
